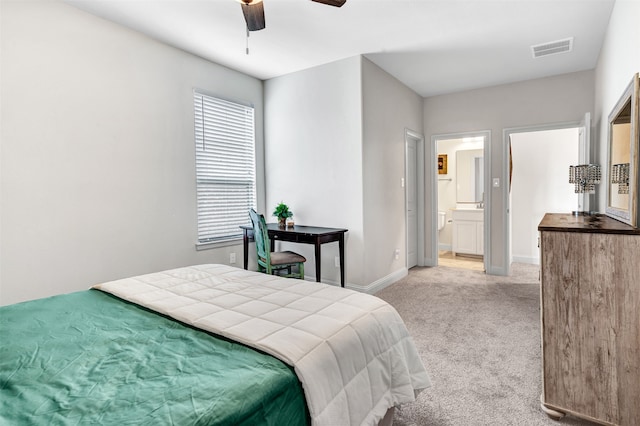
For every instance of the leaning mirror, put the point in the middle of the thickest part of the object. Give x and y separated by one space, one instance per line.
623 146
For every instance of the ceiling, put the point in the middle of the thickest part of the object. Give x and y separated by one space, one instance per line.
432 46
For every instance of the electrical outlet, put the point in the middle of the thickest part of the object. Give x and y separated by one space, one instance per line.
396 254
232 258
336 260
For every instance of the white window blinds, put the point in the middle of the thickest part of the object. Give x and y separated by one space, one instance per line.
225 167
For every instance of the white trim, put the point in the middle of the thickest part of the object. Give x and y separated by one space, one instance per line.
218 244
488 209
529 260
225 166
370 288
224 98
419 139
433 159
429 262
381 283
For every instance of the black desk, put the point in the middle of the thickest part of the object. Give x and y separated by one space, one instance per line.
300 234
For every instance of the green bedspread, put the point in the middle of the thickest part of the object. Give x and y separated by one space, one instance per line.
91 358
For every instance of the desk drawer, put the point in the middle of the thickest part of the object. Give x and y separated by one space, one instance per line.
293 238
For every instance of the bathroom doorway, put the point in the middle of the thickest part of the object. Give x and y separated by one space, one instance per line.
460 198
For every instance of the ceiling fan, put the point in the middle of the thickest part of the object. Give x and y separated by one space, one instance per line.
253 11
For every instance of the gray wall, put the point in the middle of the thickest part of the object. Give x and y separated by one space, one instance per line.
619 61
389 107
564 98
334 149
97 165
96 155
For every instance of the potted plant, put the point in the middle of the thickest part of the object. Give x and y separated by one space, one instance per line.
282 212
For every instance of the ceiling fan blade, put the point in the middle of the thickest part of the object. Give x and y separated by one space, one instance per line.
254 16
336 3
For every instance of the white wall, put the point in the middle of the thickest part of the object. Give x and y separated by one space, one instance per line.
98 174
313 154
619 60
540 184
563 98
389 107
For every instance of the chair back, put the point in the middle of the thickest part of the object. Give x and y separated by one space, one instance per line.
261 237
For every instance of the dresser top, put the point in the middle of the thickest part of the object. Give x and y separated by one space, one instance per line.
598 223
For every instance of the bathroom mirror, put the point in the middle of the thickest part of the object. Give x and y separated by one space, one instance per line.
623 145
470 176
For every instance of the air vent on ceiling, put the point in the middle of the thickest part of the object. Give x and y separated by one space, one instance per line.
552 47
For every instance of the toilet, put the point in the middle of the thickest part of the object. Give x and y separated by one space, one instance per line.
442 220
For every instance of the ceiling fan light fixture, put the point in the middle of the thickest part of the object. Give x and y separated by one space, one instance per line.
336 3
253 11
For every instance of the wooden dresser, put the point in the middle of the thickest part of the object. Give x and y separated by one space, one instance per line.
590 310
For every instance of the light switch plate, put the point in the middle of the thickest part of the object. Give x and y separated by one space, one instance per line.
496 182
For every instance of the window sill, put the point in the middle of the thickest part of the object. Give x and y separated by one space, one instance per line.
219 244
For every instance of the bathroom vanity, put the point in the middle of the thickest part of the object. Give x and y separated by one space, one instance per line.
468 231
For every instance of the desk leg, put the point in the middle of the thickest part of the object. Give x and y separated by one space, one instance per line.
341 249
245 247
318 261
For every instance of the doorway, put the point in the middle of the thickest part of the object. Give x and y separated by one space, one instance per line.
539 185
542 164
460 200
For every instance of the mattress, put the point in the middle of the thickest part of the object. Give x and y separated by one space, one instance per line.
92 358
351 351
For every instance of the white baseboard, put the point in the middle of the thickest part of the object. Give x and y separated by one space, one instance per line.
495 270
446 247
430 262
383 282
530 260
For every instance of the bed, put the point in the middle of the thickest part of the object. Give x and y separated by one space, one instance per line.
207 344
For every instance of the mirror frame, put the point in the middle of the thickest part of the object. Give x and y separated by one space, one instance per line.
630 214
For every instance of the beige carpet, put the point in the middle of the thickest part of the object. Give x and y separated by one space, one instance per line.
479 338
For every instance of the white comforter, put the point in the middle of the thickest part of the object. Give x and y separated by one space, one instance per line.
351 351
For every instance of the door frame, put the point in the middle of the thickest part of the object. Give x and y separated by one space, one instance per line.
413 136
433 159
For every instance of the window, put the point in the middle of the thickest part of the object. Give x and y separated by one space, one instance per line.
225 167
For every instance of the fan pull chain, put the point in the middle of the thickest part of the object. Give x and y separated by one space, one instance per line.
247 49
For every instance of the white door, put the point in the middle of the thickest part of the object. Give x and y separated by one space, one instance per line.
411 196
